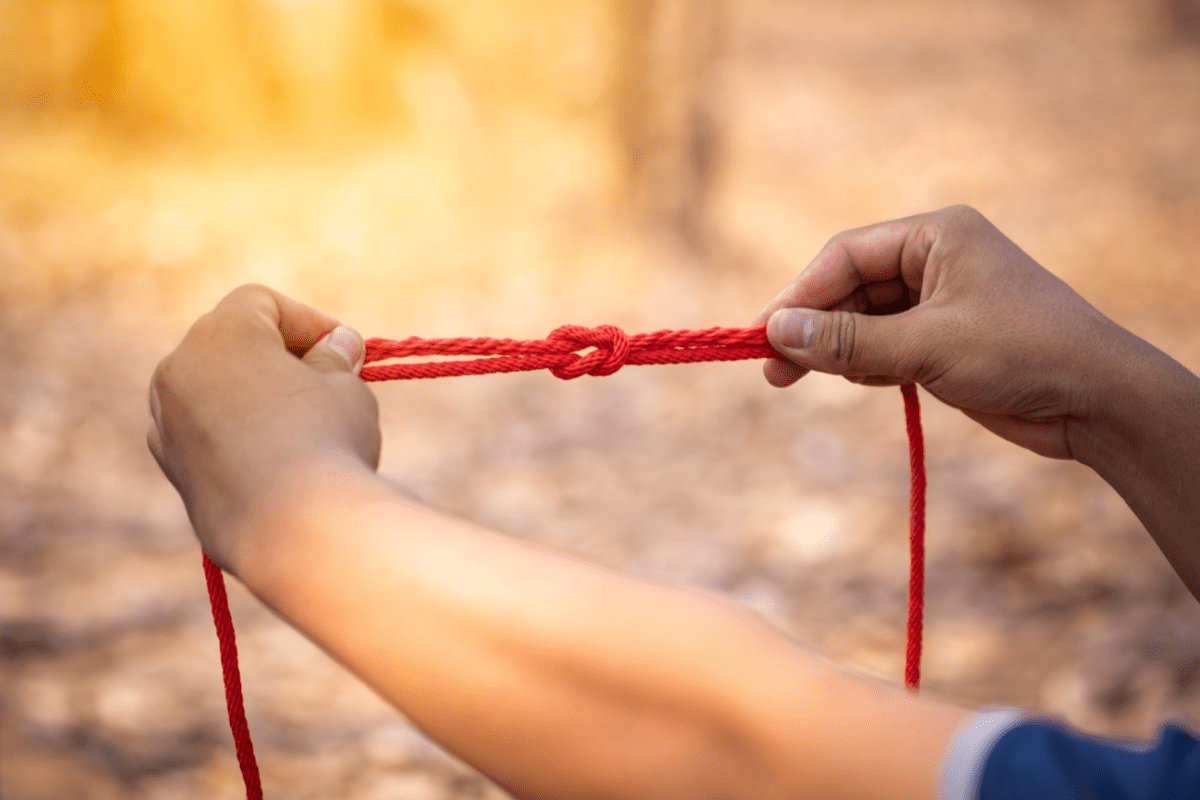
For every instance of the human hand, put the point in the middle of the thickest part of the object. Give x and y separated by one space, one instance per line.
236 415
947 301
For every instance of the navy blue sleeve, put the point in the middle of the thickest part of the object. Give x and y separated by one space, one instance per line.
1046 760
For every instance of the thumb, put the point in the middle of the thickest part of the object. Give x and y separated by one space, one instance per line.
844 343
340 350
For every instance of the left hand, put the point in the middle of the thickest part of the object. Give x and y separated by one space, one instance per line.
236 415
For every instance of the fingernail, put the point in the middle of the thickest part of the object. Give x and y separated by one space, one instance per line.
794 327
345 342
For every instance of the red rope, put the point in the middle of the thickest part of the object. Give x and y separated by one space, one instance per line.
916 537
233 679
613 349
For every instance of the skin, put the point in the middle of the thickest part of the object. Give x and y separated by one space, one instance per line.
561 679
989 331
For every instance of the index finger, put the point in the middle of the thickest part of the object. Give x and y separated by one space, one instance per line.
299 326
252 320
887 251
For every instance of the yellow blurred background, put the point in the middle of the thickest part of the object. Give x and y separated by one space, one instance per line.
436 168
359 148
417 146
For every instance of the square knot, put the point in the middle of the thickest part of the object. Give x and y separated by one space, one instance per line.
611 353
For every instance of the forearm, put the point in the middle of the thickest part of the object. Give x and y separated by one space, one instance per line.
562 679
1146 444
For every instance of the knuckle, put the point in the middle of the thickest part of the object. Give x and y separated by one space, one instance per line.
162 381
838 241
960 210
842 346
206 328
250 290
248 295
963 216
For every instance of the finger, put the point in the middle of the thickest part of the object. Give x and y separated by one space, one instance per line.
299 325
154 442
858 346
154 431
886 297
781 374
153 436
878 380
882 253
152 397
341 351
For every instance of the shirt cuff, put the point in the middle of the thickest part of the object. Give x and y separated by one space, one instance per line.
970 747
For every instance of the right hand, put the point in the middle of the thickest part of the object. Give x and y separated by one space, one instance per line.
947 301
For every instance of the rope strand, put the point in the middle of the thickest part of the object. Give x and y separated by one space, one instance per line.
613 349
916 537
233 679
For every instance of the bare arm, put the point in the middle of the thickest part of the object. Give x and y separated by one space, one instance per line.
1145 442
561 679
555 677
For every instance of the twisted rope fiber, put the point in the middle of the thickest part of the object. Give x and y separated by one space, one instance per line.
916 537
233 679
557 353
614 349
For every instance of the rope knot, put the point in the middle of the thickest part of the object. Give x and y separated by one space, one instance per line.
611 353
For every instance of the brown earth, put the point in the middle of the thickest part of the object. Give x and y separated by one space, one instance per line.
1074 125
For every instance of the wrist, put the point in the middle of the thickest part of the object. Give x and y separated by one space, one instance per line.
266 533
1131 407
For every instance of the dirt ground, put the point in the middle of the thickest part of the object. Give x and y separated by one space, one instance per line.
1073 125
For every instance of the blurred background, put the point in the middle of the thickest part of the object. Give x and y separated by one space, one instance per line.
472 168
